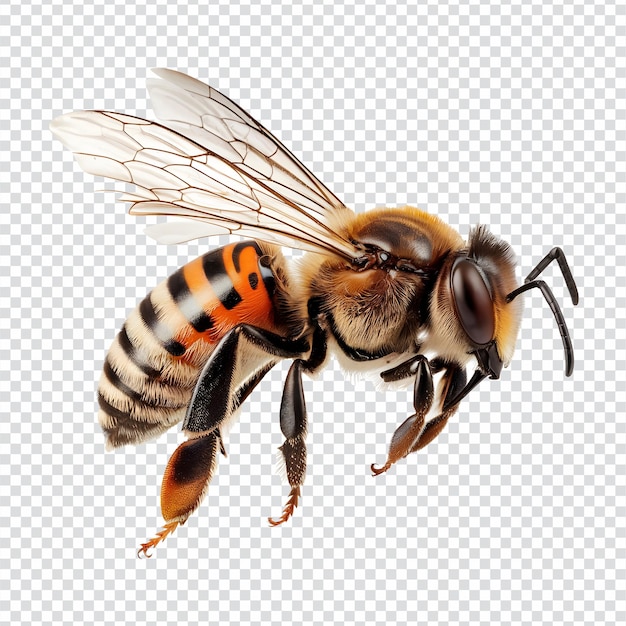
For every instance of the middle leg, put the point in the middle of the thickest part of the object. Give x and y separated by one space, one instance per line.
293 422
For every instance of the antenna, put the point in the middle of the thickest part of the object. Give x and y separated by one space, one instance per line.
556 254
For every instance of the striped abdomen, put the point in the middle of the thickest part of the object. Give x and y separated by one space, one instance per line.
155 361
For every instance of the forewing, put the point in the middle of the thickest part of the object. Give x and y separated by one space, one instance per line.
209 118
176 176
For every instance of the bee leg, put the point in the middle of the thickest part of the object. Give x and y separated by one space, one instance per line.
185 482
411 429
218 394
452 382
212 399
293 421
407 369
293 426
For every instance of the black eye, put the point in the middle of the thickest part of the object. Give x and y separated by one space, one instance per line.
473 302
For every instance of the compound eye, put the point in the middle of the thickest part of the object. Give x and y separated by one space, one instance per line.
473 302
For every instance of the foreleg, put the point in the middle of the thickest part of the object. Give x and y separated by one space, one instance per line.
414 433
423 394
451 383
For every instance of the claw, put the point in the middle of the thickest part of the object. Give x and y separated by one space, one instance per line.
401 442
376 471
292 503
155 541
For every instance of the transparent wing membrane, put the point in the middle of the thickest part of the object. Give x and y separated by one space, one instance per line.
206 116
215 166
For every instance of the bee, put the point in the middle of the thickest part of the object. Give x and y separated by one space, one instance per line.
393 291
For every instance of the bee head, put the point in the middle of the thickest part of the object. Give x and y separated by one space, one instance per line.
470 302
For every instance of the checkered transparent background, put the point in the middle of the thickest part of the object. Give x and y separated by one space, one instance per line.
511 115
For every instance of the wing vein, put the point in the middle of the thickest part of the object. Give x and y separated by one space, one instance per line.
212 163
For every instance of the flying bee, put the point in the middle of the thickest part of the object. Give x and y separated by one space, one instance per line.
395 291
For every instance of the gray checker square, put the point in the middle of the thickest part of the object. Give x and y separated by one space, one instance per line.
508 114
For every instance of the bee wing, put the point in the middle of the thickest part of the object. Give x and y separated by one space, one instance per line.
209 118
228 187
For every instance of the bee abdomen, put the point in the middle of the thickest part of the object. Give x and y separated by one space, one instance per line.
136 403
156 359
